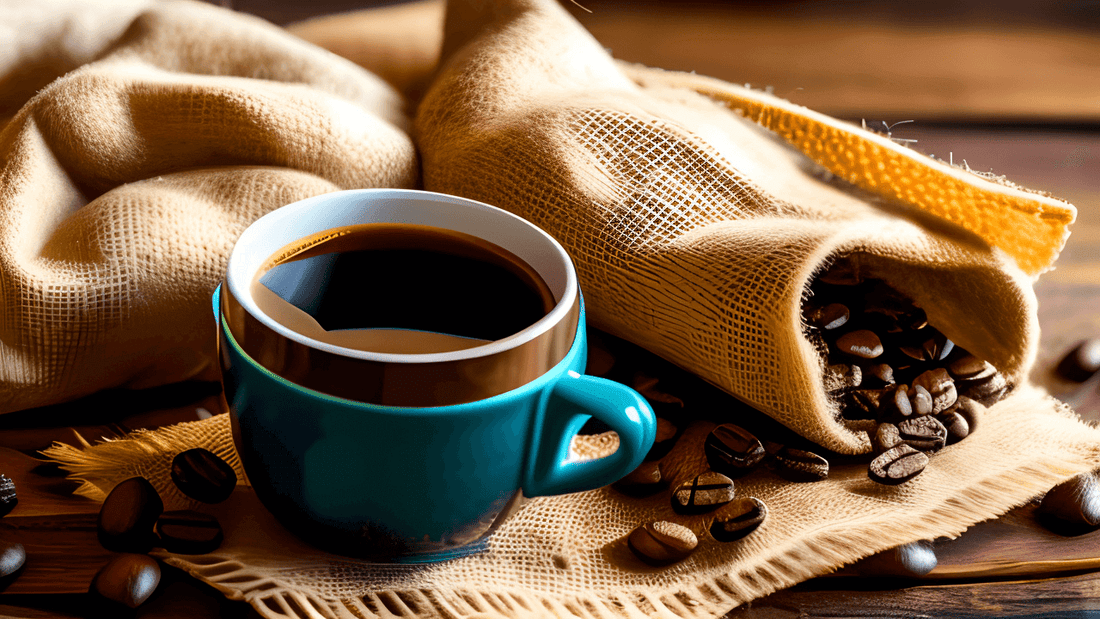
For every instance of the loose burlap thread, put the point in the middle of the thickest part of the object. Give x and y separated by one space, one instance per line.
696 211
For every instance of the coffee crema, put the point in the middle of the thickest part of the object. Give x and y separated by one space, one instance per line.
400 288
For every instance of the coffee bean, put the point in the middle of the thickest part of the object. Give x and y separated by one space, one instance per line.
12 557
842 377
738 519
946 348
885 437
878 375
895 404
940 386
971 411
956 425
916 320
662 542
642 481
706 492
912 353
863 344
1082 362
8 497
801 466
732 450
968 367
189 532
127 516
907 560
864 403
664 441
832 316
920 400
988 391
897 465
127 579
203 476
923 433
1075 501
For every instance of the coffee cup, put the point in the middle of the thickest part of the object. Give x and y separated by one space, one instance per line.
366 445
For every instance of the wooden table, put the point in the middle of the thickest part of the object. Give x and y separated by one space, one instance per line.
1007 567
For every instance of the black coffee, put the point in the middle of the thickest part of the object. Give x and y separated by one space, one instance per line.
396 284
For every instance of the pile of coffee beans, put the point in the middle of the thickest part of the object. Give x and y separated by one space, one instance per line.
885 362
132 521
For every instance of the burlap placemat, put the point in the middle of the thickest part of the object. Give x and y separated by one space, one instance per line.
697 212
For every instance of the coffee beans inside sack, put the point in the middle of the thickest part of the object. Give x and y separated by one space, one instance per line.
884 361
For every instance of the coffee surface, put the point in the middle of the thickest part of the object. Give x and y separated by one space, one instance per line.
400 288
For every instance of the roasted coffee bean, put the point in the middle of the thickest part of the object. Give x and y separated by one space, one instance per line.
988 391
127 516
920 400
897 465
940 386
801 466
203 476
664 441
706 492
912 353
968 367
957 427
878 375
971 411
924 433
885 437
662 542
127 579
916 320
1075 501
895 403
1081 363
842 377
862 344
907 560
864 403
832 316
189 532
738 519
732 450
643 481
8 497
12 557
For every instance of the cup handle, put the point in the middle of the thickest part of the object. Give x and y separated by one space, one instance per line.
571 402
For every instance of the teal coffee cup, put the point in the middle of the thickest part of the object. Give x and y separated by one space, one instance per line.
404 368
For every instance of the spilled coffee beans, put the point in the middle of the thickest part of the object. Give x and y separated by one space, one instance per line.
798 465
8 498
189 532
1075 501
706 492
740 518
127 579
897 465
662 542
732 450
12 557
127 516
203 476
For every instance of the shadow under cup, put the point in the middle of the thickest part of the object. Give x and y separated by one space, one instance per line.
413 456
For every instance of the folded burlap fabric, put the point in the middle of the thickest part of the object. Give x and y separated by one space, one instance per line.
697 214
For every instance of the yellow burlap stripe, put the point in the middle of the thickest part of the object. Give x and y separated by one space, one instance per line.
1030 227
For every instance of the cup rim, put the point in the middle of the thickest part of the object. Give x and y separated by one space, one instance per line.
285 225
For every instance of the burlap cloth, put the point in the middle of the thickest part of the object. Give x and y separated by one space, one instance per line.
139 138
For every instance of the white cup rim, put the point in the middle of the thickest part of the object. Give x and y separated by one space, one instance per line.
300 219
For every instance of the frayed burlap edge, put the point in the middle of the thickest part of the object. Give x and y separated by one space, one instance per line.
1046 441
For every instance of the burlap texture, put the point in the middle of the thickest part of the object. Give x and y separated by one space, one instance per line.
124 183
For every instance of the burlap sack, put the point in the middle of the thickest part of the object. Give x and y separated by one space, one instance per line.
695 231
125 182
